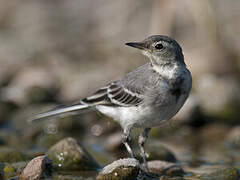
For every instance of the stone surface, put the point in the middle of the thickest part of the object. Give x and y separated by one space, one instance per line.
69 154
122 169
223 174
165 168
37 168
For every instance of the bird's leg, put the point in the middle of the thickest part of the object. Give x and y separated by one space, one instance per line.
141 141
126 138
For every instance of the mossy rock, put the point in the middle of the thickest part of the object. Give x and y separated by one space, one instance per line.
69 154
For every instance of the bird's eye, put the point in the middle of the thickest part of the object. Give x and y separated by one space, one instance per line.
159 46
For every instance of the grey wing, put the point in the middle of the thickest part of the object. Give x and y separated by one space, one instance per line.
114 94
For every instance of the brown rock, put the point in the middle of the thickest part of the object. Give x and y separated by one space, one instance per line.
39 167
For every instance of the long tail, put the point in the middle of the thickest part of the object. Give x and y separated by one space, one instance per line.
66 109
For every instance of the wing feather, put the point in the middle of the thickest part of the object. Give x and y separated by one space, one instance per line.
114 95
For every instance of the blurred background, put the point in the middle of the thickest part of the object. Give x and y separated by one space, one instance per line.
58 51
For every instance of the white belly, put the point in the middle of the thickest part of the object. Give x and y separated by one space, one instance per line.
142 116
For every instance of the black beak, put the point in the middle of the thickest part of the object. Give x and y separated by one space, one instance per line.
138 45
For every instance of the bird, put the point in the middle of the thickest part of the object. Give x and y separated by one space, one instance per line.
144 98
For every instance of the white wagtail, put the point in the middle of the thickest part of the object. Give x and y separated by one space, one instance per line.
145 97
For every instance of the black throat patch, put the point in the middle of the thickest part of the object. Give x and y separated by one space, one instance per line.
176 87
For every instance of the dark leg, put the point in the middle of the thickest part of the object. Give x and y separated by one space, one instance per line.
126 141
141 141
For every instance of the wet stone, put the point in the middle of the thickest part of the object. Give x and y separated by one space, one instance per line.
69 154
122 169
165 168
223 174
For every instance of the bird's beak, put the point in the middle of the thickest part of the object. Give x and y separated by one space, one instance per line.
139 45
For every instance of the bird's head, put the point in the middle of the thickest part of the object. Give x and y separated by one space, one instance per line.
160 49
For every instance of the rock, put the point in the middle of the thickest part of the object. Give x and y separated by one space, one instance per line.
233 137
160 152
37 168
69 154
223 174
165 168
122 169
11 155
